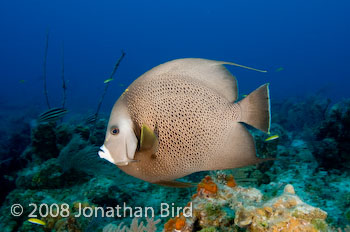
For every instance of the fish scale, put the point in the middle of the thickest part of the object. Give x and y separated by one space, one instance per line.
189 106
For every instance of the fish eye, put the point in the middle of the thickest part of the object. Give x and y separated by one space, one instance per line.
115 131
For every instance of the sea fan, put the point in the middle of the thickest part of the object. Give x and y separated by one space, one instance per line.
80 156
134 227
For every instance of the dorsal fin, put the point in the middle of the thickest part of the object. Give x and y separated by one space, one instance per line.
210 72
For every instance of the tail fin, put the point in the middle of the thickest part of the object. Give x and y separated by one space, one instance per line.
255 109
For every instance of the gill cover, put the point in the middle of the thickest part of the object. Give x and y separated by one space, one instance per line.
120 149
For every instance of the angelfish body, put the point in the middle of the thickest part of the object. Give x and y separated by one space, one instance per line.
181 117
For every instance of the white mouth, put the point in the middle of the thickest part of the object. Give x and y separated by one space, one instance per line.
104 154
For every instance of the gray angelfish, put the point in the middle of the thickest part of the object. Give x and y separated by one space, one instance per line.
181 117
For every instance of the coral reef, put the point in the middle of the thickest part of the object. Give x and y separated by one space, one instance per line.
297 114
48 175
98 135
134 227
80 156
60 165
11 148
44 141
75 174
220 205
332 138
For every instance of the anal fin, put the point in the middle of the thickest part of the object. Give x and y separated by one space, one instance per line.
175 184
238 151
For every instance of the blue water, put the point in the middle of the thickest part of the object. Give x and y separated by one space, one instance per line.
308 39
304 46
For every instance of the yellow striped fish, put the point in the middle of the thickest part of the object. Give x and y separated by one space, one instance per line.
273 137
36 221
108 80
52 115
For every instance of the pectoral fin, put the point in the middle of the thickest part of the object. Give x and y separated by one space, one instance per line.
148 140
175 184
